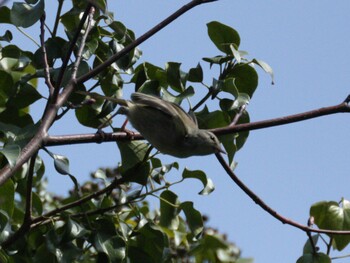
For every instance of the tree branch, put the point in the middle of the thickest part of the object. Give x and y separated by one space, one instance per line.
46 63
342 107
70 51
267 208
141 39
122 136
36 142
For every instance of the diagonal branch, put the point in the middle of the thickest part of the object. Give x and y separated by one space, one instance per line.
70 51
142 39
43 48
267 208
48 118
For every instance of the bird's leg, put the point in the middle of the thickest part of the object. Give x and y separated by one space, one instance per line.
128 132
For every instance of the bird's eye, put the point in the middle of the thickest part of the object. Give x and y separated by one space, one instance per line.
212 137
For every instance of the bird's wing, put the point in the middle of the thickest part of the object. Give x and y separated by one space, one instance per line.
168 108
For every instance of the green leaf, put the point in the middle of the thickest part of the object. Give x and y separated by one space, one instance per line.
329 215
89 115
6 84
73 230
7 197
223 36
193 217
11 152
4 226
169 211
148 246
5 15
55 48
201 176
308 249
25 15
61 164
189 92
119 29
266 67
138 173
37 204
245 78
7 36
218 60
106 241
25 96
196 74
230 86
214 248
314 258
174 76
132 153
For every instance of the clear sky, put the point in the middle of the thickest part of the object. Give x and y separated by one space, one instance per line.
290 167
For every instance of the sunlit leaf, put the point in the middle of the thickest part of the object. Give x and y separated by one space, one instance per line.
201 176
11 152
330 215
25 15
223 36
61 164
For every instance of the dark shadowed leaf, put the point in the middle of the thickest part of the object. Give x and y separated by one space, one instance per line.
314 258
25 15
193 218
169 210
7 196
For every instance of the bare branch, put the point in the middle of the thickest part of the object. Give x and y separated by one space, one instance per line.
70 51
141 39
36 142
267 208
43 48
342 107
122 136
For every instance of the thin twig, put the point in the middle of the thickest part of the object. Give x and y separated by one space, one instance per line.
141 39
43 48
267 208
202 101
57 20
238 115
82 200
82 43
70 51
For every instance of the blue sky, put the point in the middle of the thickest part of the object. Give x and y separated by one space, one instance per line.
290 167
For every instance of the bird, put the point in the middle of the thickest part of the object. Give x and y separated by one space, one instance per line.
167 127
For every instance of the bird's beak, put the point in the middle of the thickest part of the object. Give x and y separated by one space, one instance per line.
220 150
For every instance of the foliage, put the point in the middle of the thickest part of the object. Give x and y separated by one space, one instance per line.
108 218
